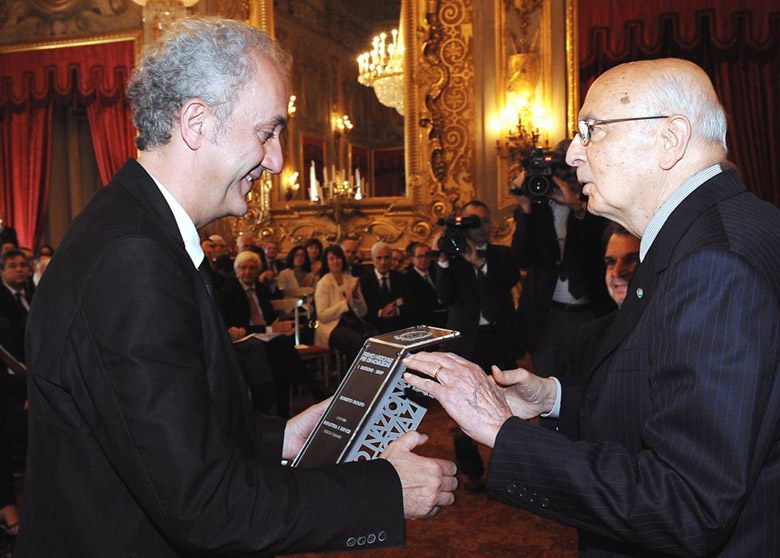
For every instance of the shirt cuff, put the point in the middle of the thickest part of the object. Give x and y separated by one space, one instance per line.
443 265
556 410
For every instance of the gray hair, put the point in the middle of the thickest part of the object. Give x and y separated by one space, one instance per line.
247 255
379 246
209 58
677 92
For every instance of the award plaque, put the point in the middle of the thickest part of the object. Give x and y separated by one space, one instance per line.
373 404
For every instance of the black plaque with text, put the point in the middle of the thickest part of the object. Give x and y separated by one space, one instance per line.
373 404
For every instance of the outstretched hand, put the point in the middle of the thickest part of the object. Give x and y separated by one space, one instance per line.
472 399
427 483
528 395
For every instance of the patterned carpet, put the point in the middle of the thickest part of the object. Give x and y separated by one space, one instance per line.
474 526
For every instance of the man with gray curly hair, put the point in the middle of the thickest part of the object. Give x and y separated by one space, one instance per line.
142 440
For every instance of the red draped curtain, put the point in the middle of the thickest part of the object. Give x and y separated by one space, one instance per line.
31 83
735 42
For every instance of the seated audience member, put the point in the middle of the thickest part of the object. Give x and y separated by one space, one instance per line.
297 272
383 291
207 245
313 247
244 242
13 433
246 305
271 250
420 297
352 255
220 248
15 299
340 307
397 260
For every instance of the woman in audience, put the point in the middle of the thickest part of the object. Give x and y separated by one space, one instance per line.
314 248
340 306
298 271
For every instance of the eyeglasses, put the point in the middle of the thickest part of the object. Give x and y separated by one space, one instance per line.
585 127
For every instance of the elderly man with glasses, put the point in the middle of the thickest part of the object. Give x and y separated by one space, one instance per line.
679 422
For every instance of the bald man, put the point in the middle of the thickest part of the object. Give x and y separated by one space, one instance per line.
679 421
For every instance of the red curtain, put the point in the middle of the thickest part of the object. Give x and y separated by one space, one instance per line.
31 83
735 42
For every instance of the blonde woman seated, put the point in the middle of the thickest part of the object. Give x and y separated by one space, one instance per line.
298 271
340 306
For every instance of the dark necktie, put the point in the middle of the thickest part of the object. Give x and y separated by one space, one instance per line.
385 287
205 273
20 298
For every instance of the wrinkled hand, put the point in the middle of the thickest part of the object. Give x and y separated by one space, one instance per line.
528 395
389 311
472 399
299 427
267 277
427 483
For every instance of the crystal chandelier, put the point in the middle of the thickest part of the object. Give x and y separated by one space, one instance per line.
383 69
159 14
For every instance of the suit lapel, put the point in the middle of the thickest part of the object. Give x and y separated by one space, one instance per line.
648 273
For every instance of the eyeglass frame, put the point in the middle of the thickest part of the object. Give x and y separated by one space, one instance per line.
589 124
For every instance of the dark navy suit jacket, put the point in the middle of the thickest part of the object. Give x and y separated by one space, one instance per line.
679 449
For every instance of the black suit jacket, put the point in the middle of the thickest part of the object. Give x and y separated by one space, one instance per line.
13 319
465 297
142 442
421 300
679 449
235 305
376 300
535 248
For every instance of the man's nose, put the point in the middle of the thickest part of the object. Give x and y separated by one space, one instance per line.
273 161
575 155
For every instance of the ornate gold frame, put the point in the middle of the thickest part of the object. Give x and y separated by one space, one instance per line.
394 219
136 36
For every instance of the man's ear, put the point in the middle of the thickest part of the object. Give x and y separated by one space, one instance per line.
194 122
676 136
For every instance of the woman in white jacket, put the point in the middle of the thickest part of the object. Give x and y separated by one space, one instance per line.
340 306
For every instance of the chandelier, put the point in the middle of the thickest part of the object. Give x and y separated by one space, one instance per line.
383 69
159 14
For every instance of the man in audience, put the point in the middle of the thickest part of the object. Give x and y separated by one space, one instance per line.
273 265
559 244
207 245
420 296
219 247
383 290
141 435
397 260
354 267
678 451
15 299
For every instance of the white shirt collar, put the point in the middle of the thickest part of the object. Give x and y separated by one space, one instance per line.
659 219
189 233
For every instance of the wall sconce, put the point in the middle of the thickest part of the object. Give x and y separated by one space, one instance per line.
341 125
291 108
519 128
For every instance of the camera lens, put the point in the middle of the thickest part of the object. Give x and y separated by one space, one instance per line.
538 186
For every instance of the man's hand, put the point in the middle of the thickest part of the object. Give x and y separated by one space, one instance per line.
517 182
283 326
564 196
389 311
427 483
267 277
528 395
472 256
236 333
472 399
299 427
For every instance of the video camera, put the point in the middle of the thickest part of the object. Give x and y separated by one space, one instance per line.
453 240
540 168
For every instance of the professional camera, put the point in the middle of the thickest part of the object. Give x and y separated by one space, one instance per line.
540 167
453 240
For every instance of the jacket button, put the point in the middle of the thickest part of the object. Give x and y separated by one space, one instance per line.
351 541
545 503
361 541
532 498
371 538
523 491
512 489
381 536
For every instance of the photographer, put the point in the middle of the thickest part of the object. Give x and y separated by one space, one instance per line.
558 242
474 281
